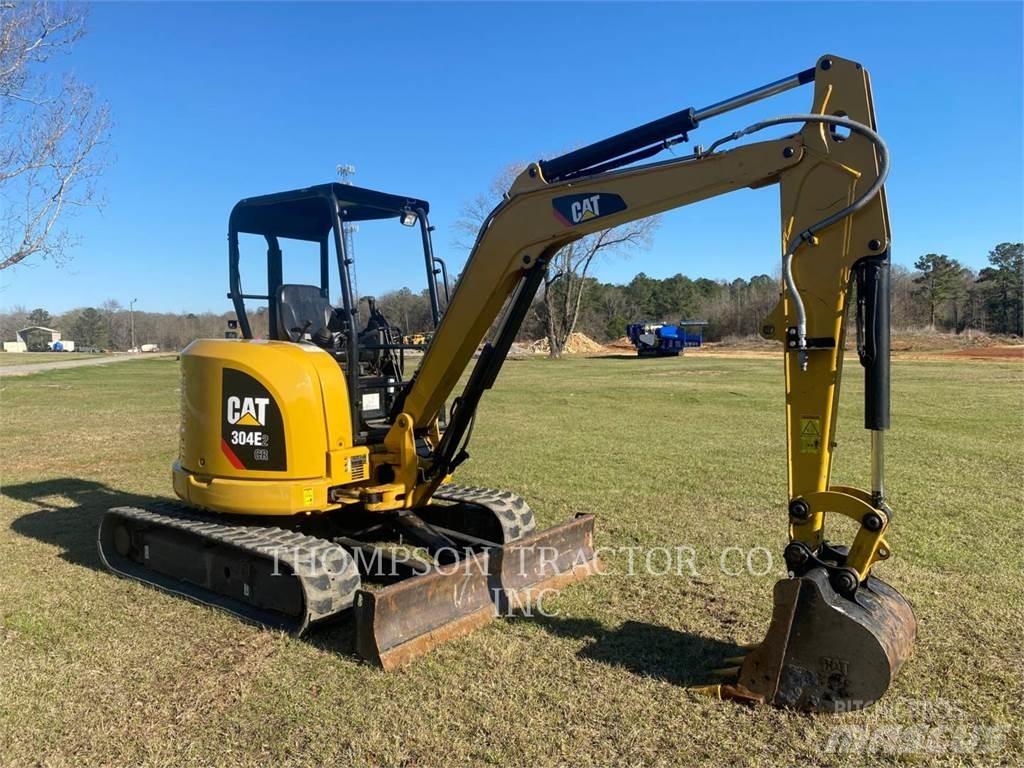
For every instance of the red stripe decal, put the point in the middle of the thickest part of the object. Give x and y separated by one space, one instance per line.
561 218
235 461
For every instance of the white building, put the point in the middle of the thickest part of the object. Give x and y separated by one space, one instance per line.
36 338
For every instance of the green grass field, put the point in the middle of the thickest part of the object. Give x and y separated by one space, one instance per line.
34 358
685 452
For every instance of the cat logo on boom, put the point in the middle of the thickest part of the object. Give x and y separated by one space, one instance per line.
576 209
587 208
247 411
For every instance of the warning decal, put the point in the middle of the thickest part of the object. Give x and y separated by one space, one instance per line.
810 434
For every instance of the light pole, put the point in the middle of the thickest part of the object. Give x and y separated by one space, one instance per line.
348 230
131 315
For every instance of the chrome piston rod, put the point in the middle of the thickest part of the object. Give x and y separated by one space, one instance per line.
877 466
754 95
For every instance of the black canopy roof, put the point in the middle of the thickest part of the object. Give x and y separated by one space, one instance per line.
306 214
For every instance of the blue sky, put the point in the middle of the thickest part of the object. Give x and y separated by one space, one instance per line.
213 103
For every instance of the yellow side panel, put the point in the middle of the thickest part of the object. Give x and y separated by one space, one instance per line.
265 428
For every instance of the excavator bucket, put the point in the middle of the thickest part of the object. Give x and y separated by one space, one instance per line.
825 652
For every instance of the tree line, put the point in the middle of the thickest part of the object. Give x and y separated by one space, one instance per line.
946 294
939 293
109 326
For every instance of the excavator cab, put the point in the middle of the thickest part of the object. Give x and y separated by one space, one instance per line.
369 348
282 449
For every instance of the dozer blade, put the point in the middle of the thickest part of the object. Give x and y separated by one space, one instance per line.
397 623
825 652
523 570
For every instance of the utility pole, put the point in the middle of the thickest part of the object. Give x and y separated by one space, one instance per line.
131 315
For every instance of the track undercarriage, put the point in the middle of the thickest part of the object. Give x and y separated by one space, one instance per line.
408 580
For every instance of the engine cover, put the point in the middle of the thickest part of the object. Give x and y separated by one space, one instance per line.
265 428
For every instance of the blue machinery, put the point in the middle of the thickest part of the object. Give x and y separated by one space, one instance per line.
661 340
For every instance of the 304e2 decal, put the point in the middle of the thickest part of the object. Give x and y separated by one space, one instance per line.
575 209
252 430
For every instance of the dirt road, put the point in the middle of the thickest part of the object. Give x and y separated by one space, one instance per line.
22 370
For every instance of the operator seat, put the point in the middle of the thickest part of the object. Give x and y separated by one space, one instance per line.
300 308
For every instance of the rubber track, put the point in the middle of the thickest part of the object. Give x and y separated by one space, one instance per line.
511 511
326 572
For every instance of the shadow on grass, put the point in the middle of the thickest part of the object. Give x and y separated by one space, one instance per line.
682 658
68 512
67 515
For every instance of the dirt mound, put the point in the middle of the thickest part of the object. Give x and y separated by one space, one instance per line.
990 352
519 352
622 342
927 340
752 341
576 344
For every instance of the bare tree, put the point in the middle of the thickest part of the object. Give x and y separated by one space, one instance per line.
566 280
52 134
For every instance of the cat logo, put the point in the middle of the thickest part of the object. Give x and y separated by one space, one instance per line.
247 411
576 209
587 208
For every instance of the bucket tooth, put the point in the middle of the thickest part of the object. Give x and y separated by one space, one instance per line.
732 672
711 691
728 692
740 695
827 653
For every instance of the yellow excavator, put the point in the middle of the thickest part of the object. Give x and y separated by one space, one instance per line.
310 462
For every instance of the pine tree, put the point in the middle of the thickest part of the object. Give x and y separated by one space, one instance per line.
939 281
90 329
39 316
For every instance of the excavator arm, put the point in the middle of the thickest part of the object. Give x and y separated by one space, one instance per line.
820 173
838 635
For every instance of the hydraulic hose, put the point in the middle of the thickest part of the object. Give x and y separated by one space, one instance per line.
807 235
